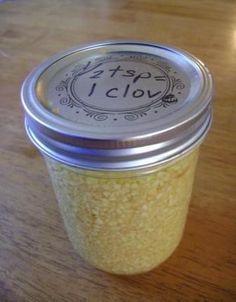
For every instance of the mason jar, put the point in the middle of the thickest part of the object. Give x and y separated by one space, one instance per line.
119 124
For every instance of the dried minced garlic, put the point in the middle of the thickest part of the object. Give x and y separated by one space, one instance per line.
121 224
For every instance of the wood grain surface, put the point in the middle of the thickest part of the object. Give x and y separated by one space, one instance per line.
37 262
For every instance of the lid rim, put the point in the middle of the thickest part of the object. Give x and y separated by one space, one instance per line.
131 165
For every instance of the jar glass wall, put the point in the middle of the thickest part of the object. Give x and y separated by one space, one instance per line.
125 222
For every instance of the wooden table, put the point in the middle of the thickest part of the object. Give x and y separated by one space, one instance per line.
37 262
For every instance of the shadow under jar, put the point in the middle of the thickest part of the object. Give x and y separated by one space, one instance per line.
119 124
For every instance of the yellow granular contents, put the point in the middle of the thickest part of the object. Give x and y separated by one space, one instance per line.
125 223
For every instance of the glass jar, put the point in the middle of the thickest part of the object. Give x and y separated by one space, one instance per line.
119 124
125 222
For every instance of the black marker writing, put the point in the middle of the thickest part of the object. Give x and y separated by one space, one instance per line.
152 95
160 78
115 70
87 65
142 75
138 93
92 89
129 73
108 93
126 91
136 88
96 74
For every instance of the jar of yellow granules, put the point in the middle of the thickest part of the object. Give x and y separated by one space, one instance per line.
119 124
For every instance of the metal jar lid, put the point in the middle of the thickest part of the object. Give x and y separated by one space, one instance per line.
118 105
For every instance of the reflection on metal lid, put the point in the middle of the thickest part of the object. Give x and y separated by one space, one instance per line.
118 104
